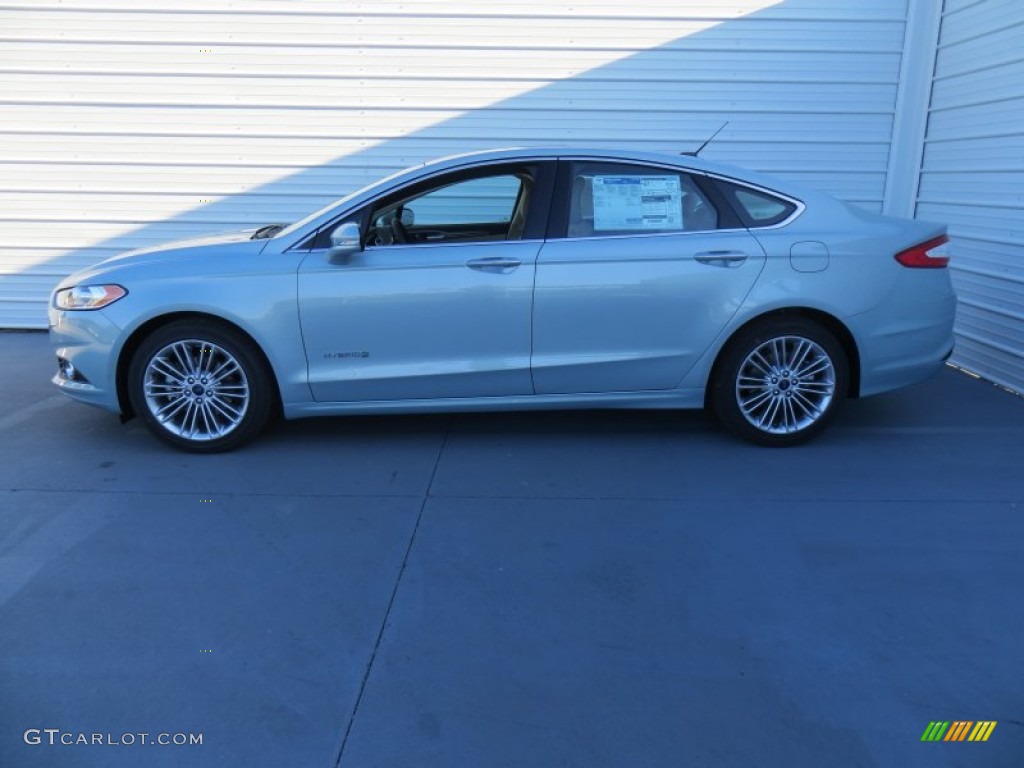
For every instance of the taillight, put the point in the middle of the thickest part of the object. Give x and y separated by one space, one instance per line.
932 254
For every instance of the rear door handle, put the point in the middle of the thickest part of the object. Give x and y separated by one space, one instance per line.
721 258
494 264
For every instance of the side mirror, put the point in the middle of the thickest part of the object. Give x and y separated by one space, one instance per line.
345 242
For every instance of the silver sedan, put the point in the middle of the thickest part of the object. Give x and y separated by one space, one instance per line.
513 279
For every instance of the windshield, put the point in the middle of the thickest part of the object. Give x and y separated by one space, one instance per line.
339 203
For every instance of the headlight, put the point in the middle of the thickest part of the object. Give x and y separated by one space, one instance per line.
88 296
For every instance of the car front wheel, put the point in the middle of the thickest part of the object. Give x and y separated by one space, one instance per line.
202 388
780 382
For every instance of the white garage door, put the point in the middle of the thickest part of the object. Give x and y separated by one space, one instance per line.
127 123
973 178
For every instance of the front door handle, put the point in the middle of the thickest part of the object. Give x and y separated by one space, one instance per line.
494 264
721 258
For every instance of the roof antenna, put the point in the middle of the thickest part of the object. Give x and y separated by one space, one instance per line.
701 147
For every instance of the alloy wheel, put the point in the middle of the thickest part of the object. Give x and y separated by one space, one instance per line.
196 389
785 384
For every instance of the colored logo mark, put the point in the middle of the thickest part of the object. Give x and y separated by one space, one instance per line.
958 730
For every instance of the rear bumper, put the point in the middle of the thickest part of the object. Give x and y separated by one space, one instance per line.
907 341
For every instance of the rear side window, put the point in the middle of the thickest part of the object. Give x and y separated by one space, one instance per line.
754 207
622 199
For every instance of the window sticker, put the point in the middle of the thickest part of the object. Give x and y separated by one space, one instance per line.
637 203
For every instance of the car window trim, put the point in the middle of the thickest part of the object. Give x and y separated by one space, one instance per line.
558 219
457 244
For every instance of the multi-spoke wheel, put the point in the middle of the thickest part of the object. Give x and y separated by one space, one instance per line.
779 382
202 388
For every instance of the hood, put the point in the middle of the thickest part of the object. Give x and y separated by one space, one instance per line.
214 253
223 238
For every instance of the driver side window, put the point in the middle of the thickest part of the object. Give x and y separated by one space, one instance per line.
479 209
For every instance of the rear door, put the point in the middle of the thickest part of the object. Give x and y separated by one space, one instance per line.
637 281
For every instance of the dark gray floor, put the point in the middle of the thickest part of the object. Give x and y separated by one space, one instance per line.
572 589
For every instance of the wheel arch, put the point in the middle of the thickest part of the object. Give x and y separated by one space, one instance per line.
832 324
137 336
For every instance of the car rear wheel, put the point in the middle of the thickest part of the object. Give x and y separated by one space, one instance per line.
202 388
780 382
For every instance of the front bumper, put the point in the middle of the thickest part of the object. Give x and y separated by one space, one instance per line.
85 343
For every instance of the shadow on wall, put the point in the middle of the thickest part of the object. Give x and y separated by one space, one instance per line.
808 88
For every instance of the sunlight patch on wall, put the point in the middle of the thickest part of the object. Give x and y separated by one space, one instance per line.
125 117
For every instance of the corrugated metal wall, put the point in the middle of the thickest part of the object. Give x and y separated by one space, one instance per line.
972 177
126 123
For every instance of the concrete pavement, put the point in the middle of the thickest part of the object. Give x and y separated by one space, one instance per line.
564 589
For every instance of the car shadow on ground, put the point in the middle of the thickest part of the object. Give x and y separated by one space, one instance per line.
927 406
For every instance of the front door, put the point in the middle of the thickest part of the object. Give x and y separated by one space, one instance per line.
438 304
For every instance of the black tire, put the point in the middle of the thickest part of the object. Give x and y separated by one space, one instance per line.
764 362
226 403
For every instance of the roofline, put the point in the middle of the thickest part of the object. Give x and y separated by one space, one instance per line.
677 159
513 154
